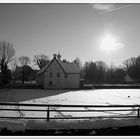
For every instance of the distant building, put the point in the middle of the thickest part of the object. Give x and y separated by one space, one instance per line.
128 78
59 74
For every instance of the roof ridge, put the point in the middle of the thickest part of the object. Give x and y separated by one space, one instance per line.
67 67
45 67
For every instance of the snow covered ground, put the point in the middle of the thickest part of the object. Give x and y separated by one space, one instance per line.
78 97
101 96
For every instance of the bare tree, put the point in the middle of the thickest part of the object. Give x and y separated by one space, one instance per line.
40 60
7 53
132 66
24 61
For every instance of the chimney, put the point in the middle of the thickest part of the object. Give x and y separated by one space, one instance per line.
59 56
54 56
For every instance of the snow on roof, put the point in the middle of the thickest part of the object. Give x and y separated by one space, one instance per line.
66 66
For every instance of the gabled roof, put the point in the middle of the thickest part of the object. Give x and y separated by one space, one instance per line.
44 68
71 68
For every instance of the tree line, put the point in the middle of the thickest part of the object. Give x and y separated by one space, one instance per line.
92 72
99 71
20 67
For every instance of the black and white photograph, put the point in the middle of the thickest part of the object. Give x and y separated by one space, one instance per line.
70 69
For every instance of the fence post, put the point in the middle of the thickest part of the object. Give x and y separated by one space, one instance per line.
48 114
138 112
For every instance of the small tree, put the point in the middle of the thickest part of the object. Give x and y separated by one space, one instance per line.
24 61
7 53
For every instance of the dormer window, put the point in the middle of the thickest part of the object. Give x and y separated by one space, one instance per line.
58 74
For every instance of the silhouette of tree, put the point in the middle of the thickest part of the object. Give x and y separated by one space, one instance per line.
7 53
95 71
118 75
40 60
85 71
29 73
138 68
24 61
132 66
91 72
101 70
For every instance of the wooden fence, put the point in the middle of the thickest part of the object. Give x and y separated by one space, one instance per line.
49 108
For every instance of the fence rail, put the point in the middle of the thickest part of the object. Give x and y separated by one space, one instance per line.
49 108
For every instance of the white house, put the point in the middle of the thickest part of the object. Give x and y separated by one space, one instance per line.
59 74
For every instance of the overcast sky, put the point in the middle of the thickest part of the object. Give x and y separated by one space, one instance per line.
74 30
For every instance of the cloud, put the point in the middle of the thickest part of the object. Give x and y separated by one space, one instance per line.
104 7
119 45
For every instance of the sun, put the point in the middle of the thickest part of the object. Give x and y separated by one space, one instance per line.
110 43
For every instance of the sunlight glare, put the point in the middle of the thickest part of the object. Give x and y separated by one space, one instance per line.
109 43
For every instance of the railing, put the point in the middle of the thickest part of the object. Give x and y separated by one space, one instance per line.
56 108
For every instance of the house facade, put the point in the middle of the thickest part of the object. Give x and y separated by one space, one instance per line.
59 74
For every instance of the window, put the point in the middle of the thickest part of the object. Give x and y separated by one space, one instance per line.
50 74
50 83
58 74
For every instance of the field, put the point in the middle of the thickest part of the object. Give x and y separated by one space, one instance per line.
77 97
101 96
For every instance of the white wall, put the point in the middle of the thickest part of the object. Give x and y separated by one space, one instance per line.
56 82
72 81
59 83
